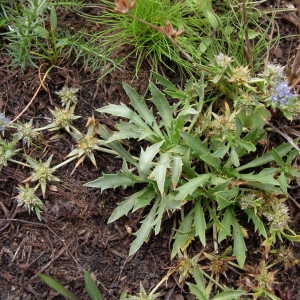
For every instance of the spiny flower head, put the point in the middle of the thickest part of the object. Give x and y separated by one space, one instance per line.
250 200
278 216
62 118
68 96
281 93
7 151
27 198
4 121
273 73
223 60
42 172
25 132
240 75
86 145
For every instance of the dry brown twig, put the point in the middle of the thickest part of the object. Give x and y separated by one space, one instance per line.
42 81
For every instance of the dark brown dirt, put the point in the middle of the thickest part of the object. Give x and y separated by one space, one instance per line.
74 235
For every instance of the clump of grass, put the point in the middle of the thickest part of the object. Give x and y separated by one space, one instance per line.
139 29
186 33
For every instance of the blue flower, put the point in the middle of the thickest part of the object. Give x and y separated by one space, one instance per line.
281 93
3 121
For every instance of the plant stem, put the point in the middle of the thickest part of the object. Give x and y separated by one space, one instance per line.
19 163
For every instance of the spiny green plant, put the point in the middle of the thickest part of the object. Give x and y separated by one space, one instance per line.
29 37
194 163
42 173
26 134
203 291
26 28
26 197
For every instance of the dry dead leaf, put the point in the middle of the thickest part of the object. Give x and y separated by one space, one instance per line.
123 6
169 31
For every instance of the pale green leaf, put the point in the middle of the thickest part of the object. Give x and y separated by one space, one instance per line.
144 198
123 208
116 146
111 181
146 158
212 18
198 276
266 176
164 82
123 111
258 223
126 131
139 104
226 197
144 231
239 246
283 182
199 222
191 186
194 289
160 212
176 170
292 238
234 157
184 235
282 150
226 224
200 149
53 19
252 34
118 110
221 151
160 171
271 296
162 105
229 295
247 145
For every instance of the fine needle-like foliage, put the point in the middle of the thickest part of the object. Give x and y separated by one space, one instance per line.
186 33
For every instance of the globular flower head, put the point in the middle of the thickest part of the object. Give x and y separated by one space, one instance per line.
240 75
223 60
273 73
68 96
250 200
278 216
4 121
27 198
281 93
